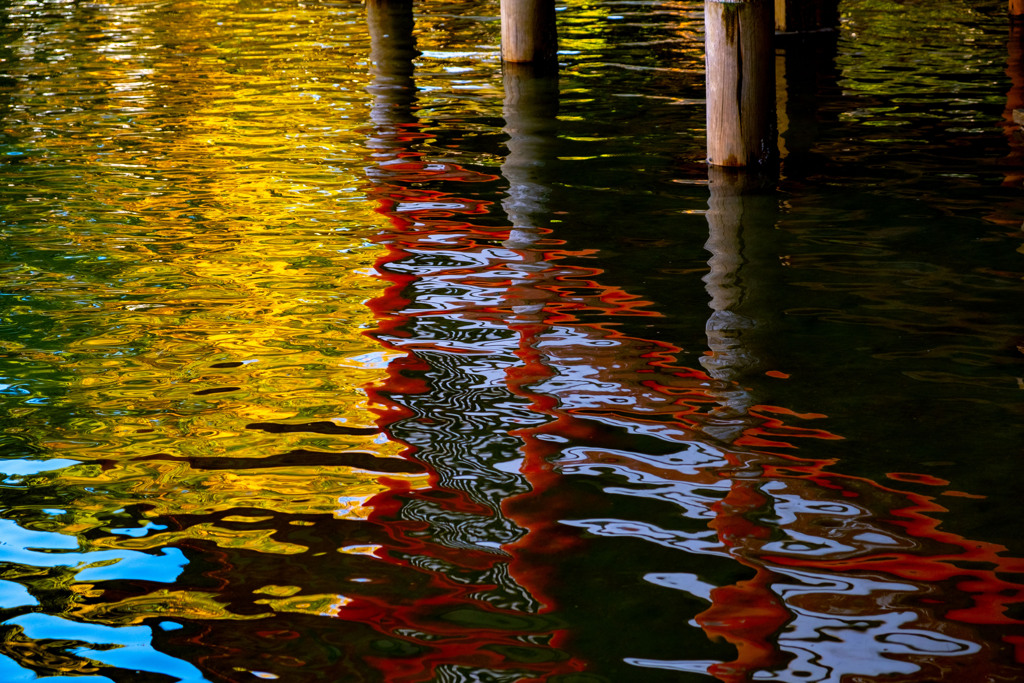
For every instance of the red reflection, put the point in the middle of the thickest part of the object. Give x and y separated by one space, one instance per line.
750 614
421 219
892 542
842 565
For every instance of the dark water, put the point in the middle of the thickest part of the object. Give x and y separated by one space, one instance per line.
327 356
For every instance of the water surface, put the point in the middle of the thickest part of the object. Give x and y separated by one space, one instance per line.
330 351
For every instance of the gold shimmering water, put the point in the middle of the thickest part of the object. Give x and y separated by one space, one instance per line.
188 253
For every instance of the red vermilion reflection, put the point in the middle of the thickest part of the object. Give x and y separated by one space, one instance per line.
591 382
421 221
835 557
840 536
472 616
850 577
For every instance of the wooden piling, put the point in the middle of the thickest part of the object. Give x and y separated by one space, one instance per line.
528 31
1017 8
740 81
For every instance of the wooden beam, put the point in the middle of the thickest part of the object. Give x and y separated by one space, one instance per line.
528 31
1017 8
740 81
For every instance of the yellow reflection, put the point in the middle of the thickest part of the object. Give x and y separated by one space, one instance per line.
279 591
208 259
163 603
317 605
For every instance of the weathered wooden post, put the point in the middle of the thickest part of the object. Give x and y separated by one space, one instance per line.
1017 8
740 73
528 31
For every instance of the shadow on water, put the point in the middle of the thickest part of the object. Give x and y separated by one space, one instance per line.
368 397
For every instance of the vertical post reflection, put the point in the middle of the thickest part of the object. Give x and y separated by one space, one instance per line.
739 207
530 111
447 397
794 523
530 106
392 51
747 614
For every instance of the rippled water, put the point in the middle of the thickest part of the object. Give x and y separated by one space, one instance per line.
332 354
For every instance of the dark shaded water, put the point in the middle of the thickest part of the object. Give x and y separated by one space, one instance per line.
330 357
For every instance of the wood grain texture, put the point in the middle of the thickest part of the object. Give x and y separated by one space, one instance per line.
528 31
740 68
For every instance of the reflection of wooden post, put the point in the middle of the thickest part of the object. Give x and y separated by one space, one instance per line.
528 31
1017 7
740 69
392 50
738 206
730 357
530 111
